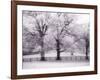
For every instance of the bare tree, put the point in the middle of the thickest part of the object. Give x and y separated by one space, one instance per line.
63 29
42 27
86 39
29 41
82 34
39 26
61 22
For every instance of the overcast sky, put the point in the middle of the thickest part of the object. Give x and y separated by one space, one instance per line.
83 18
79 19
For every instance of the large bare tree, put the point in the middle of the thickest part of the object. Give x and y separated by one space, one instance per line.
62 21
41 26
81 35
38 24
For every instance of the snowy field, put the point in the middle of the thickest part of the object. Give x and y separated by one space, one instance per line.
67 60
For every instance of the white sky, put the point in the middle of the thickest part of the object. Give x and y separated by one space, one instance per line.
83 18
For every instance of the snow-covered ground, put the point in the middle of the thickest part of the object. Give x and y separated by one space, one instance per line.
57 64
67 60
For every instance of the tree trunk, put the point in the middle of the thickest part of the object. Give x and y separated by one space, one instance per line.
58 50
72 54
87 48
87 58
42 49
